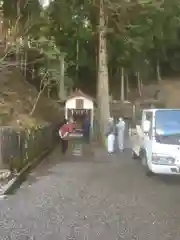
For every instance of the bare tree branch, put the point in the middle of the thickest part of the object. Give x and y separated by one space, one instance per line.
42 88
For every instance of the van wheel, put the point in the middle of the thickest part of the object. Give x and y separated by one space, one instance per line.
134 155
148 172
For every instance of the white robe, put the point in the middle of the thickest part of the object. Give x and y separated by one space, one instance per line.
110 143
120 134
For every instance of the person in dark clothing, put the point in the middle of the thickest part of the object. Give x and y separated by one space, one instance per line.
64 144
86 129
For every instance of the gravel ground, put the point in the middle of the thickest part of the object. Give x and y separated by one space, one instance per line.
100 197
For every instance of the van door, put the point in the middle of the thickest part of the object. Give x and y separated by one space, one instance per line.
147 137
134 136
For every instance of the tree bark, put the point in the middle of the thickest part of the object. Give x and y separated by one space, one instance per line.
61 92
25 62
127 86
158 71
77 55
103 79
37 100
139 84
42 88
122 84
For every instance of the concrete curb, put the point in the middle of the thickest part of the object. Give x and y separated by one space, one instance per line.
14 183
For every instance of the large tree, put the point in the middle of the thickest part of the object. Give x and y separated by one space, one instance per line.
102 40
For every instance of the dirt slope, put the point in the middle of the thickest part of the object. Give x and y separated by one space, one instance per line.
17 97
168 92
171 90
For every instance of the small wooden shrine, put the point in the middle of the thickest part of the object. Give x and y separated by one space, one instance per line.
78 106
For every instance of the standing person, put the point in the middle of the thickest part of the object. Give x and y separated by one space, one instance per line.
120 133
116 147
110 133
86 129
64 132
64 121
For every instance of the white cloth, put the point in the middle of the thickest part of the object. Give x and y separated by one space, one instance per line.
120 134
61 134
110 143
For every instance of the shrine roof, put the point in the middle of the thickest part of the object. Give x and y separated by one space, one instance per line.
78 93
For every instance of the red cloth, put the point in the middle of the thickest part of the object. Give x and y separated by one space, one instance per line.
67 128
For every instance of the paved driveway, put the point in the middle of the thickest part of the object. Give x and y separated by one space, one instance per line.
90 198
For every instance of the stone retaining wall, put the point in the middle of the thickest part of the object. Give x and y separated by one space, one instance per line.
19 146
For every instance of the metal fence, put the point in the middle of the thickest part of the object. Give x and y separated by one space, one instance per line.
18 147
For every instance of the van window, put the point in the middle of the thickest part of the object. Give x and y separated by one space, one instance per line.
167 122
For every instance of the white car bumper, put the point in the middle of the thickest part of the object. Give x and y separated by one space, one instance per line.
167 170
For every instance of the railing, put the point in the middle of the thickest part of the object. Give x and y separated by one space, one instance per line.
19 146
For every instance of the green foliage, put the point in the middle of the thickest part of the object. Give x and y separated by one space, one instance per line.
147 37
139 34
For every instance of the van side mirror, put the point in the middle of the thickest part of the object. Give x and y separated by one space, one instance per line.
146 126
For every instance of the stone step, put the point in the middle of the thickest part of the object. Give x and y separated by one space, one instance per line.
77 150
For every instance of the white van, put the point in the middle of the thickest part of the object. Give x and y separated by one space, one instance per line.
156 141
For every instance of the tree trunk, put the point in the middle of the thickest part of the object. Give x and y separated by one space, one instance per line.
127 86
1 27
97 64
77 55
122 84
21 62
103 81
61 92
37 100
25 46
17 54
77 60
139 84
158 71
42 88
49 92
25 62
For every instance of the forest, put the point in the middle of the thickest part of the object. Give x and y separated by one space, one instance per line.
94 45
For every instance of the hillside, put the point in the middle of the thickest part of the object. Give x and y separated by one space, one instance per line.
167 90
17 97
171 92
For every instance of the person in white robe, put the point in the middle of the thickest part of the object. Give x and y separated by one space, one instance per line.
110 134
120 133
